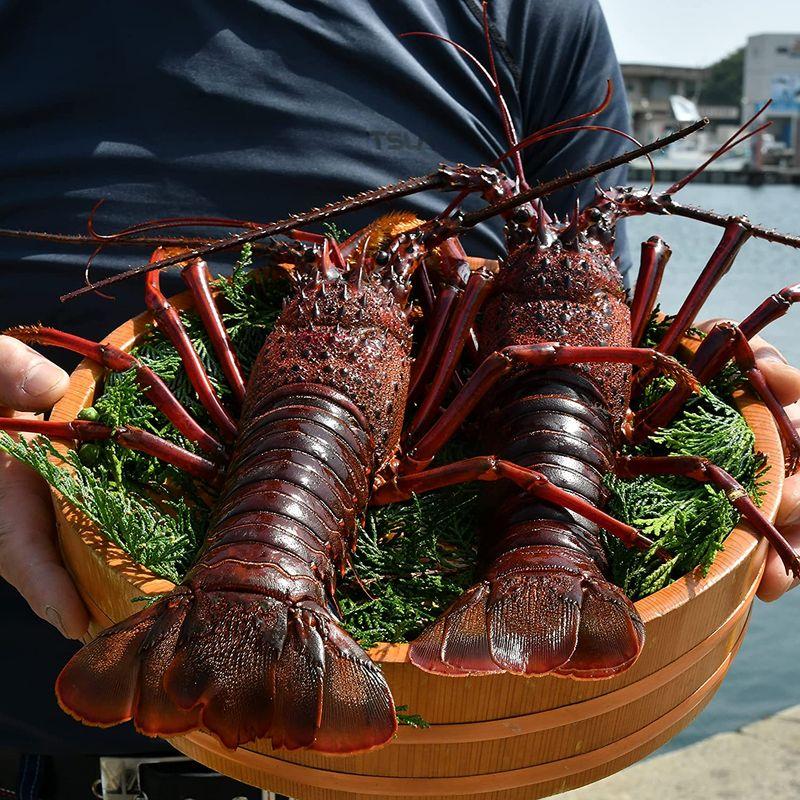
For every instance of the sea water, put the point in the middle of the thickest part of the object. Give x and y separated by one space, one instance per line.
763 678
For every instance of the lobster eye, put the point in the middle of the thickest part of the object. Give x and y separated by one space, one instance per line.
381 258
309 256
521 215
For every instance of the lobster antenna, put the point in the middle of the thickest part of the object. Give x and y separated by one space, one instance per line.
604 104
505 114
666 204
370 197
508 125
475 217
87 270
549 133
151 225
734 140
83 239
167 222
456 202
433 180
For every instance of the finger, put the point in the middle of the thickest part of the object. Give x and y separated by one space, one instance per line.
29 556
793 412
775 581
783 379
707 324
28 381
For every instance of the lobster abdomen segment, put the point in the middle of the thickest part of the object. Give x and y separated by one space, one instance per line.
303 463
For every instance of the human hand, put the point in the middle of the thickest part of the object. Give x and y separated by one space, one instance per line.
784 380
29 556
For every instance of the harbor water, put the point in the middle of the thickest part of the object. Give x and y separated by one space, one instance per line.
763 679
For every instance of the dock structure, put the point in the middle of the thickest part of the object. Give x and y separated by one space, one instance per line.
649 89
746 174
660 96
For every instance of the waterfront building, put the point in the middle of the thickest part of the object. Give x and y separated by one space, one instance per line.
650 88
772 70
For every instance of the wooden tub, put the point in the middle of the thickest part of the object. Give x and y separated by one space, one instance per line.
494 737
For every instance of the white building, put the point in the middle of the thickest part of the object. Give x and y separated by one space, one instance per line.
772 70
649 88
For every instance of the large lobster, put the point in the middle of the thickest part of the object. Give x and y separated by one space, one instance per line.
249 645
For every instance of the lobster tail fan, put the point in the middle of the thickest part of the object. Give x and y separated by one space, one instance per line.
154 712
457 644
98 685
534 614
523 624
118 676
300 680
533 621
223 666
242 666
357 707
610 636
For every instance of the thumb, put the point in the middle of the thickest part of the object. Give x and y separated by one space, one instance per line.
28 381
775 581
29 556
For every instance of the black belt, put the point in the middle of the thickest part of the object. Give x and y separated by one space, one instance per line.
40 777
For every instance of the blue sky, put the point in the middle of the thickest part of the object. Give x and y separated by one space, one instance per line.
693 32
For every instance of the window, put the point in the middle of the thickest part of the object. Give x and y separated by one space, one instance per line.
660 89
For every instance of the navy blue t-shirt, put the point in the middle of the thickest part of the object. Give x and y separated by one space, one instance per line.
251 110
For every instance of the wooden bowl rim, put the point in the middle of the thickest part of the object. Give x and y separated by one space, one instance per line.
739 545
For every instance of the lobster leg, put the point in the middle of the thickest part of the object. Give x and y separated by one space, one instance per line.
715 351
118 361
490 468
422 450
773 308
729 339
700 469
458 333
440 316
655 255
453 255
195 276
127 436
169 321
427 294
453 268
736 233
